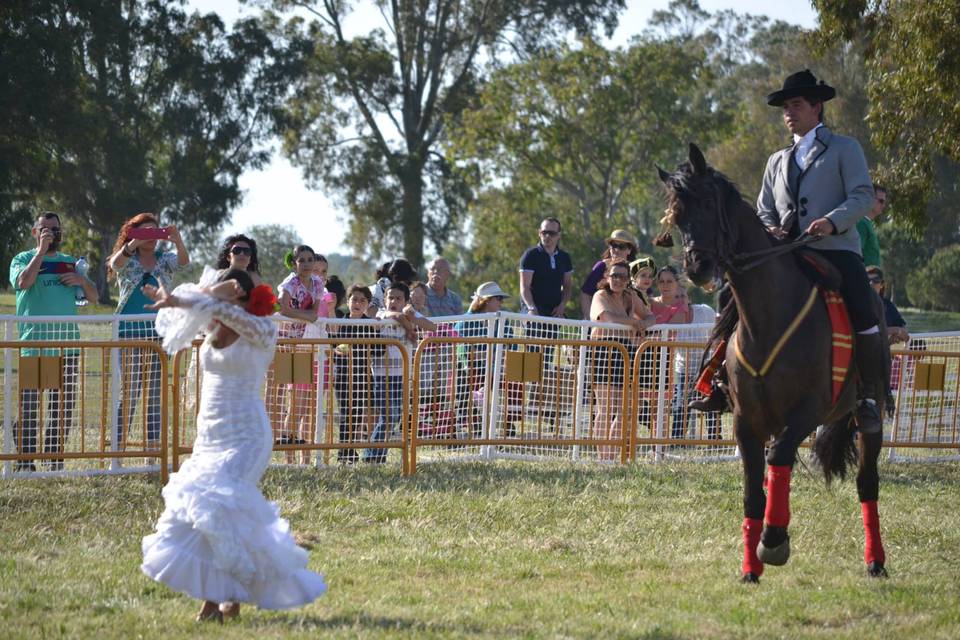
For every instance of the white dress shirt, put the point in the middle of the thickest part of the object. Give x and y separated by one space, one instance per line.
803 144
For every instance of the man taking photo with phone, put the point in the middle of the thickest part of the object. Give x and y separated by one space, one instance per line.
45 282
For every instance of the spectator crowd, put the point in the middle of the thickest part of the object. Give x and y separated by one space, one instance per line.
622 287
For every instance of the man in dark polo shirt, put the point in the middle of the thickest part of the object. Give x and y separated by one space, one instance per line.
546 274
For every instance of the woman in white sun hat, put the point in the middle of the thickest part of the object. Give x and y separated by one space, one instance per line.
472 358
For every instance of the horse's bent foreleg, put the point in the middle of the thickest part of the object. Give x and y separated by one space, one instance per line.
868 490
774 545
754 502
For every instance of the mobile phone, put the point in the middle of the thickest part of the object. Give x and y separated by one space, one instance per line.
148 233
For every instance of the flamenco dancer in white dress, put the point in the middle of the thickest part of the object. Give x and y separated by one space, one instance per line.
219 540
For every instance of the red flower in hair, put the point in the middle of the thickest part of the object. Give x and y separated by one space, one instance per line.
262 301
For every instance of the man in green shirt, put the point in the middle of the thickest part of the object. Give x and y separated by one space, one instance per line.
869 244
45 283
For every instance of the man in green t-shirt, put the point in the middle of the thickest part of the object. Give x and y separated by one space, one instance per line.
869 243
45 283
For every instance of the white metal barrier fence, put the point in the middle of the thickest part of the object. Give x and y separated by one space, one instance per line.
462 390
109 401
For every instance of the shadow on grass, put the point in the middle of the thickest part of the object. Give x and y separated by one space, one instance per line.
366 622
362 622
457 476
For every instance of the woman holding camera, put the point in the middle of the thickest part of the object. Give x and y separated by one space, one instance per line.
135 263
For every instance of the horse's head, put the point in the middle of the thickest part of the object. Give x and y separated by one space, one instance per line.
696 195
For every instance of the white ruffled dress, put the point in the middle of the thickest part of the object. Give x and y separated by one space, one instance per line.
218 538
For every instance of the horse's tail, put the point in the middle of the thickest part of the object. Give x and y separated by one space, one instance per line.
835 448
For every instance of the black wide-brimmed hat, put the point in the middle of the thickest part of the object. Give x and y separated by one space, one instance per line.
801 84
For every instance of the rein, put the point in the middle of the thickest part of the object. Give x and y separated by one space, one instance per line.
763 255
741 262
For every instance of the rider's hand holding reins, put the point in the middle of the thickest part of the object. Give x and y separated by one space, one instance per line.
821 227
777 232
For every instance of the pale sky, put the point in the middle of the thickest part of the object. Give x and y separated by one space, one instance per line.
277 194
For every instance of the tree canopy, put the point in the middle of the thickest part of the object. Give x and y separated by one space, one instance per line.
575 132
912 64
120 107
367 120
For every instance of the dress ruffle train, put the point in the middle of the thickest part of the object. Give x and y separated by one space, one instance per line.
218 538
224 542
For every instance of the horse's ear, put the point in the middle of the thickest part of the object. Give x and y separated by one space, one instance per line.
664 176
697 161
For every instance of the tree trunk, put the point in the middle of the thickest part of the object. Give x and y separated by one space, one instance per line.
412 213
100 279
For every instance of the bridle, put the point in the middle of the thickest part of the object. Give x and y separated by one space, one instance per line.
728 258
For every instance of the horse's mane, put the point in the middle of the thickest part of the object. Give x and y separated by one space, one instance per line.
685 181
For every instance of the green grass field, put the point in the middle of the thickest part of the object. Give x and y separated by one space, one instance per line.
504 550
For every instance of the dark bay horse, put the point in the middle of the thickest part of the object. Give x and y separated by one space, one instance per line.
784 396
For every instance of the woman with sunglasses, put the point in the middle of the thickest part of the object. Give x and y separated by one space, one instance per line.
240 252
136 263
621 247
614 302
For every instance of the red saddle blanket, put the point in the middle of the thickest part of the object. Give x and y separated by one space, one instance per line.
842 337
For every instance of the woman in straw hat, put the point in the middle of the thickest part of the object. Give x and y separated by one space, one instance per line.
621 246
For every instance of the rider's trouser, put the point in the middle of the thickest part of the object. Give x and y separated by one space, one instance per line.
855 288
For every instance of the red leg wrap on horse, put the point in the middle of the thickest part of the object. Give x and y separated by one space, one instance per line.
778 496
873 551
752 528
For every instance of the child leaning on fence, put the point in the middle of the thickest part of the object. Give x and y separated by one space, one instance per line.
388 368
352 382
472 369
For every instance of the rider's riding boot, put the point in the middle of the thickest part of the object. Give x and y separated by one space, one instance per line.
716 401
709 382
871 393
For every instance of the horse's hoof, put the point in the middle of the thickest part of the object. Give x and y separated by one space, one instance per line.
750 578
877 570
776 556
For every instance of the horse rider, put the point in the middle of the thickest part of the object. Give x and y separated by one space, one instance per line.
820 186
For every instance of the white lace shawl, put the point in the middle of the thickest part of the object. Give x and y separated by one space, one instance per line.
180 325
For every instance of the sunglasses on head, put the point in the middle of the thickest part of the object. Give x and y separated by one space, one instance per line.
247 251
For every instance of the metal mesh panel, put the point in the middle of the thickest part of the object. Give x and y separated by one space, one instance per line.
515 386
925 387
667 369
82 407
329 400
